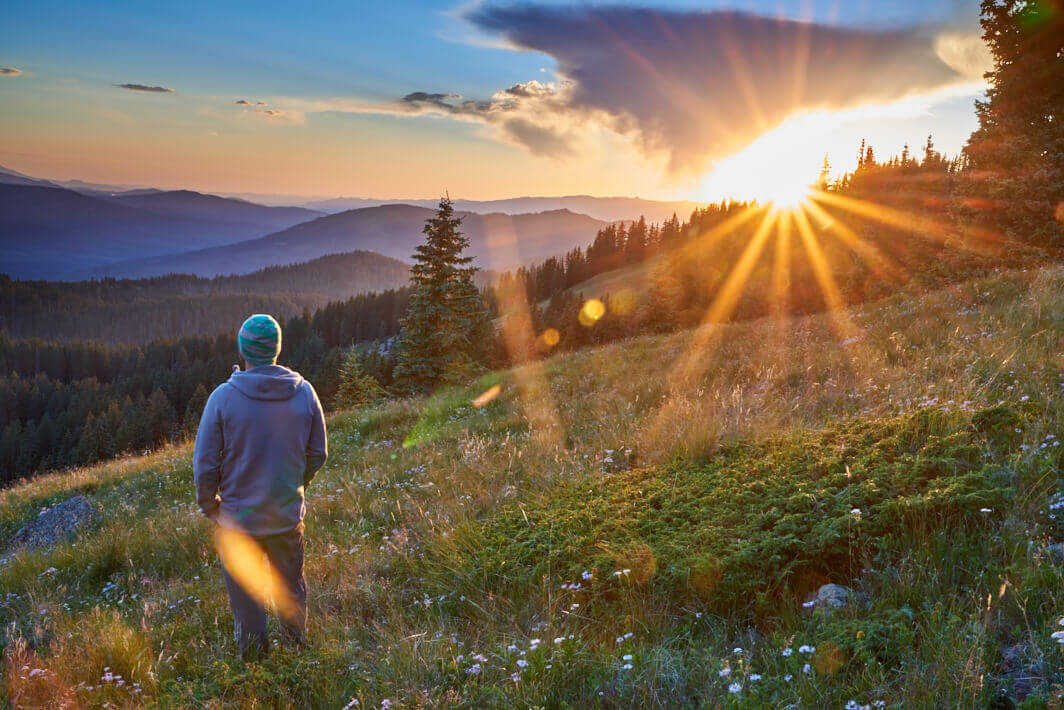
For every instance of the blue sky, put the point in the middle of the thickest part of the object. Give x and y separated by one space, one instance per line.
330 75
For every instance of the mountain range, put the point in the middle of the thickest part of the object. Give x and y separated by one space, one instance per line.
497 241
52 232
607 209
71 229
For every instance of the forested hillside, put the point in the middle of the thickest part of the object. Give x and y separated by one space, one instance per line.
119 311
68 404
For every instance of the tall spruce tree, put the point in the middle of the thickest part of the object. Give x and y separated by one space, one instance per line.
446 329
1015 159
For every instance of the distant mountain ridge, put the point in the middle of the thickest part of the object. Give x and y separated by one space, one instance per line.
498 241
607 209
52 232
72 229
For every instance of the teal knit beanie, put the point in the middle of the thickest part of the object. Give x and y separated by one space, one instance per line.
259 340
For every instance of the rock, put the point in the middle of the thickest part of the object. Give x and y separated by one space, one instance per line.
54 524
1056 552
829 596
1022 672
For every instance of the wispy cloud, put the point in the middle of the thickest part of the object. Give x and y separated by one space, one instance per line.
9 71
281 115
146 88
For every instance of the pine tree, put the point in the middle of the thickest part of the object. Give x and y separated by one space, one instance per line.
825 174
357 389
1015 158
446 330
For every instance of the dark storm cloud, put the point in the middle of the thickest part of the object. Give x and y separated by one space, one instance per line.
418 98
146 88
694 86
243 102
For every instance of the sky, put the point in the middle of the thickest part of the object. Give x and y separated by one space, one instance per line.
668 100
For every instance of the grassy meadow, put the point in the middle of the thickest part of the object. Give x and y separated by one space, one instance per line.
637 525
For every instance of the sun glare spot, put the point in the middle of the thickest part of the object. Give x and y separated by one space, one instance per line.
549 338
787 196
487 396
591 312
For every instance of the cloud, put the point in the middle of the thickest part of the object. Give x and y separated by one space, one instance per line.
692 87
534 115
421 97
242 102
965 52
146 88
9 71
281 115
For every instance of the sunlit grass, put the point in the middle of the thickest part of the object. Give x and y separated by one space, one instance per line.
141 594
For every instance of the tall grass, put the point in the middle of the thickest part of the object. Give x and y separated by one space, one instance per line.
722 477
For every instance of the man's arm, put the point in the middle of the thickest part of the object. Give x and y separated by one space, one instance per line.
318 443
207 456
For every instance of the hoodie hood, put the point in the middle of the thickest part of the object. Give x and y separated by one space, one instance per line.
268 382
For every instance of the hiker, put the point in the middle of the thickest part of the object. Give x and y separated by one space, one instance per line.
261 439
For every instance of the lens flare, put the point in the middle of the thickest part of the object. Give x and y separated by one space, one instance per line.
549 338
592 311
487 396
245 562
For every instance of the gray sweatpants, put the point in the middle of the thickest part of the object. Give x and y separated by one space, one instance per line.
284 553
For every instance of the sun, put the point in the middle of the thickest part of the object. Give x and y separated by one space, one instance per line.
779 179
789 196
780 168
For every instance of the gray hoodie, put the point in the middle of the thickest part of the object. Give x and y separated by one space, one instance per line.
261 439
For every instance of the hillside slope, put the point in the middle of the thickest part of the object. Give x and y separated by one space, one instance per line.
496 240
635 525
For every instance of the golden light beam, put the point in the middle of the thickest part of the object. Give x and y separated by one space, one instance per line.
880 262
899 219
781 269
702 242
704 340
534 396
822 272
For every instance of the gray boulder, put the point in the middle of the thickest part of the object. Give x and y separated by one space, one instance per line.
829 596
54 524
1022 670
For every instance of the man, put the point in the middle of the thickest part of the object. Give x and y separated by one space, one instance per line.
261 439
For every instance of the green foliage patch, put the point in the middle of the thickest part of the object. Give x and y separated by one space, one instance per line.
754 524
